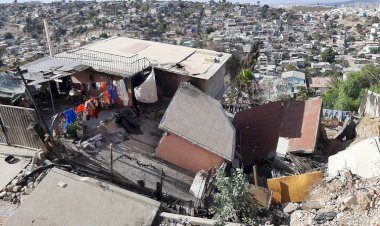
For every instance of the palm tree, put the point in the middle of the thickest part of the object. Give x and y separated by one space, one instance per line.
244 84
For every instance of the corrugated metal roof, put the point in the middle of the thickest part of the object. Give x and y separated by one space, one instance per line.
47 67
300 125
258 129
200 119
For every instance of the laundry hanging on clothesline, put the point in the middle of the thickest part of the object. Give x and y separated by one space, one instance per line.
93 106
122 91
112 91
71 116
147 91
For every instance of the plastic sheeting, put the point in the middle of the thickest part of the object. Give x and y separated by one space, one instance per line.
147 91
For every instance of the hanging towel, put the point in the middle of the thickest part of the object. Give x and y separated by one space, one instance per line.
122 91
113 94
147 91
80 108
71 116
107 97
103 86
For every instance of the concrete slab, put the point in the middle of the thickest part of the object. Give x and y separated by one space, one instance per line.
9 171
6 210
362 158
83 201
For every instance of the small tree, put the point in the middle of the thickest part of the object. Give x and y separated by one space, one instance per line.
244 84
303 94
359 28
291 67
232 201
103 35
329 55
209 30
8 35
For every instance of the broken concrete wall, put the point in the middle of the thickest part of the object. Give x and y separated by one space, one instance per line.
362 158
368 127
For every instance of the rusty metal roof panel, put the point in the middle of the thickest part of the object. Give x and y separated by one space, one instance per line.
301 124
258 129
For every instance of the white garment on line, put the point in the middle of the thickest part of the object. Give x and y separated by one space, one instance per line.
122 91
147 91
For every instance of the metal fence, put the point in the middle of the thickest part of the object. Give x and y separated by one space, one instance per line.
106 62
14 122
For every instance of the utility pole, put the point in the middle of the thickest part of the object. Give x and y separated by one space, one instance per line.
51 55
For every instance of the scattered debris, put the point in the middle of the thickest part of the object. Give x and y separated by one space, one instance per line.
92 143
61 184
261 196
290 207
367 127
345 199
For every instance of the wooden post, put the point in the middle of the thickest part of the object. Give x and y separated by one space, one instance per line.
111 162
255 175
51 97
32 130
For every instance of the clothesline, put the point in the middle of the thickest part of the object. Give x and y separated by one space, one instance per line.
145 93
93 105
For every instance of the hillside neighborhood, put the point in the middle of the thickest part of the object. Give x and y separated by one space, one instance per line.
178 113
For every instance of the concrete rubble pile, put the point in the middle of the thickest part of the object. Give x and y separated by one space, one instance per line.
24 183
368 127
345 199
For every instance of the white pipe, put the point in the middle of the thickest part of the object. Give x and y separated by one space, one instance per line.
194 220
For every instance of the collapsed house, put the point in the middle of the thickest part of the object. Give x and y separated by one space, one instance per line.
198 134
290 127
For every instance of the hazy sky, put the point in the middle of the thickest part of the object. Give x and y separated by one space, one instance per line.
271 2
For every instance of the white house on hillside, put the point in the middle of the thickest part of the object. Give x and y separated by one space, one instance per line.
295 80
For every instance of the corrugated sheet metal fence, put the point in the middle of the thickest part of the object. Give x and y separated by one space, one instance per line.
14 122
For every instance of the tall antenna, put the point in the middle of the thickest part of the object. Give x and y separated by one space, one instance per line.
48 37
